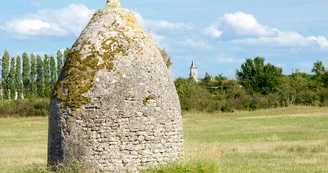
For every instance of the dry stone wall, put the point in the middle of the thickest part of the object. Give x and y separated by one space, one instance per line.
115 107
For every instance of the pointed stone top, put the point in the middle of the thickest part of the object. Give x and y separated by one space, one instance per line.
113 4
193 65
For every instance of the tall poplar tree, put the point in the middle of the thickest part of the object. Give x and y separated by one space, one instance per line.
46 73
11 79
59 62
26 75
4 74
18 78
53 73
33 88
40 77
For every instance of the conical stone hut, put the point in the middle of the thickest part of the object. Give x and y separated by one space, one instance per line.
115 107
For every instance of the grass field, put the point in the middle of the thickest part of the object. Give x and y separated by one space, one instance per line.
287 140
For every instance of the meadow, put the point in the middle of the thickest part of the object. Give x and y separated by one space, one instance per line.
293 139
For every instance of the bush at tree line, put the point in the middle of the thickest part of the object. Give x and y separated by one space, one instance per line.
24 108
258 86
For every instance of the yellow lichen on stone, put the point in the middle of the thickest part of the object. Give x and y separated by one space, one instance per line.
140 53
131 19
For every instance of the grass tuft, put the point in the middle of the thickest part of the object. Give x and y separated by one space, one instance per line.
72 167
194 166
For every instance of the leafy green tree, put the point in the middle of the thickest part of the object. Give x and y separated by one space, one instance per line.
321 74
194 97
26 74
46 73
257 77
66 52
208 81
53 73
4 74
318 68
288 91
40 77
305 86
33 87
18 78
166 57
11 79
59 62
220 79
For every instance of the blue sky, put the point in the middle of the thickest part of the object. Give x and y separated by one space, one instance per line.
217 34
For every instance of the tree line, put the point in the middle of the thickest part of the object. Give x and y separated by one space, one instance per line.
30 76
33 76
257 85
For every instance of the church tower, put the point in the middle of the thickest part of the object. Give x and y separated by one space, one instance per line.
194 71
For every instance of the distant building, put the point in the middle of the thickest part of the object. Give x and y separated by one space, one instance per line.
194 71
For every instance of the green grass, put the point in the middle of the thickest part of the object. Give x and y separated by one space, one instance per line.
293 139
23 142
287 140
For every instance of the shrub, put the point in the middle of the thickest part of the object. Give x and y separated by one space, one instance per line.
24 108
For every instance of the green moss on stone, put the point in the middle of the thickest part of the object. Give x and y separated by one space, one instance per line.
79 73
78 79
110 66
148 99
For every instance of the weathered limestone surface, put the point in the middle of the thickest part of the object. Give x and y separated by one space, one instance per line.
115 107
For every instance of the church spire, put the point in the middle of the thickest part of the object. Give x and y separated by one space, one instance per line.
193 65
113 4
194 71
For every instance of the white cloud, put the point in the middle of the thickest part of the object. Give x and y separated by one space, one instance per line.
229 60
74 18
161 24
321 40
156 37
195 43
2 28
213 30
159 39
286 39
68 20
246 25
32 27
154 27
250 32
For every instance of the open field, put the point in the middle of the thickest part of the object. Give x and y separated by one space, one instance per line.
291 139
